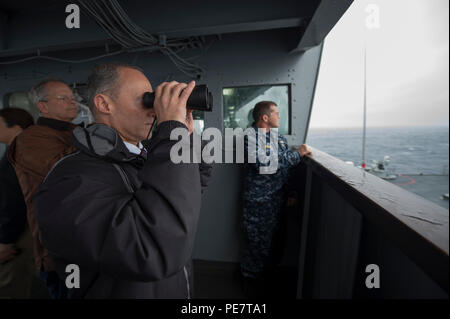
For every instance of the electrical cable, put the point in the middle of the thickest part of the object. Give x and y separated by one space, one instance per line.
112 18
45 57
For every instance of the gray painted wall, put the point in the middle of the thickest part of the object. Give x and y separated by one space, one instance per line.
236 59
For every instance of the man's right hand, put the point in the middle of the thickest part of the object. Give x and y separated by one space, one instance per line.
304 150
170 101
7 252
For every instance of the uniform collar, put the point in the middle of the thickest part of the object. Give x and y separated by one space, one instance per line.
257 128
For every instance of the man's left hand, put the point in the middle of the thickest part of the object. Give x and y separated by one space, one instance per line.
190 121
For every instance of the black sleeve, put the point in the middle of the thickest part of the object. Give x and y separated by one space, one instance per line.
12 205
205 174
93 221
205 168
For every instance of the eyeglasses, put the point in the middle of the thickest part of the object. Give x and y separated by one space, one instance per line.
62 98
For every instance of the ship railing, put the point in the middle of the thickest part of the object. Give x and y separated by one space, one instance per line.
362 237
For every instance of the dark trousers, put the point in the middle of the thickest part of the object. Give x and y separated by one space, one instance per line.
260 220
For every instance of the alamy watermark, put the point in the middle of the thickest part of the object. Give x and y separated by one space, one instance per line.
73 19
261 147
373 17
373 279
73 277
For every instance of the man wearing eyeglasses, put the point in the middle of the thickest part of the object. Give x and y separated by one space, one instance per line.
34 152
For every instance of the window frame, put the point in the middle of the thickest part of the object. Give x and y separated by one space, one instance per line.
289 86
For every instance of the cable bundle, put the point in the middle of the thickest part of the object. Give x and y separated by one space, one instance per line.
118 25
113 19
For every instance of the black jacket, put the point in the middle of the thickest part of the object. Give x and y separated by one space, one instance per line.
129 241
13 212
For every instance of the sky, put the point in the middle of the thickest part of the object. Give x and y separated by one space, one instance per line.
407 52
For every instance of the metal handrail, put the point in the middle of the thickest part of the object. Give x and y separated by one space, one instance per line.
415 225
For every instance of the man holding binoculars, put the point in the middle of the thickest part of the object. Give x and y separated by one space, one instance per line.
119 208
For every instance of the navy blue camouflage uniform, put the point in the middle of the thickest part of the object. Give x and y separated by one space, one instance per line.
262 202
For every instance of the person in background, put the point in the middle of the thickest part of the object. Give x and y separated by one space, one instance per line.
34 152
16 254
263 198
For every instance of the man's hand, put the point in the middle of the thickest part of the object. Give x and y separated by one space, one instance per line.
304 150
189 121
170 101
7 252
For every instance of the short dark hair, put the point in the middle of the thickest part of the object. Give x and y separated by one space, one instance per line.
104 79
15 116
262 108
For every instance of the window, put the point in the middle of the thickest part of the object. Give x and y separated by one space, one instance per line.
238 103
199 121
404 84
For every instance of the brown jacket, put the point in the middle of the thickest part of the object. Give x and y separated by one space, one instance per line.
33 153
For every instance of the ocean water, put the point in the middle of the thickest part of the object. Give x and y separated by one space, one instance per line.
412 150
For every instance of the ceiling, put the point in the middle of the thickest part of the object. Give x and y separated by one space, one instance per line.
18 6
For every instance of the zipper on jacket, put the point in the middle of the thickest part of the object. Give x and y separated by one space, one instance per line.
125 178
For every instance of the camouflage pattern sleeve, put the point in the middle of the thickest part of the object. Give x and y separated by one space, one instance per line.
286 157
251 151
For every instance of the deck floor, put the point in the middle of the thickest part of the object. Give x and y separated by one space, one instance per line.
215 280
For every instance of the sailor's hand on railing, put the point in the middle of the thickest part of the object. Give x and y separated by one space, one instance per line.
304 150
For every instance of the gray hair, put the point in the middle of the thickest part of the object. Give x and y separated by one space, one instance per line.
39 91
104 79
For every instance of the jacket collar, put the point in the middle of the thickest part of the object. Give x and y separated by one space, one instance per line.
55 124
256 128
102 141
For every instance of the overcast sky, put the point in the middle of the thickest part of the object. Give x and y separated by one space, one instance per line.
407 66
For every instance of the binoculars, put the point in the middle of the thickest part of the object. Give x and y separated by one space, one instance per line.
200 99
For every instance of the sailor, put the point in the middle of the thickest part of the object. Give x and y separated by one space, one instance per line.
263 191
